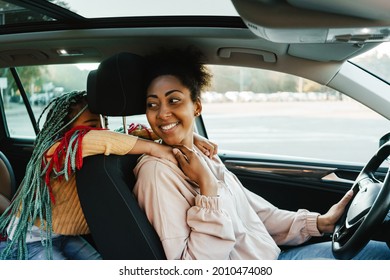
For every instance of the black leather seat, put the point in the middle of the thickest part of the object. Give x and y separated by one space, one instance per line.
119 228
7 183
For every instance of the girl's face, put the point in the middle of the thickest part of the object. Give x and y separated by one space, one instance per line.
170 110
87 119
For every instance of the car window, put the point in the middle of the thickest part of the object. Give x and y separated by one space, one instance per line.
41 84
17 119
117 123
259 111
376 61
281 114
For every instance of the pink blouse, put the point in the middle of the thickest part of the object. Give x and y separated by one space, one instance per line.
237 224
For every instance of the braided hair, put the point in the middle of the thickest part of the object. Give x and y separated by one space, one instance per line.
34 199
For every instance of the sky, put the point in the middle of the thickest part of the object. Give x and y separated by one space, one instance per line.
384 48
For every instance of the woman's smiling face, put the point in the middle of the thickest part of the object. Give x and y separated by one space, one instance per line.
170 110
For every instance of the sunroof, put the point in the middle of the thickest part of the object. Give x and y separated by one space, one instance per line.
20 12
124 8
14 14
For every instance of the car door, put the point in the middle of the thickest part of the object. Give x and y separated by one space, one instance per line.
17 122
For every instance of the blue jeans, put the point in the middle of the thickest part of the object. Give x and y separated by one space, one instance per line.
64 248
374 250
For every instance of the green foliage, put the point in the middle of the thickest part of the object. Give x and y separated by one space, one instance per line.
70 77
29 75
33 78
14 14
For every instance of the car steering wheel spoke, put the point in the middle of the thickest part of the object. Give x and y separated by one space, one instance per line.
343 233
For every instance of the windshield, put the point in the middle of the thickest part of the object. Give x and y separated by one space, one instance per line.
376 61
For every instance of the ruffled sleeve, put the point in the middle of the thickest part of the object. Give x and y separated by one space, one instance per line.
207 217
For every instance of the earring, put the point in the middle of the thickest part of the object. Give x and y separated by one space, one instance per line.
197 114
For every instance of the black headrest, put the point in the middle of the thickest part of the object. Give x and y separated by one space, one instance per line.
91 91
117 87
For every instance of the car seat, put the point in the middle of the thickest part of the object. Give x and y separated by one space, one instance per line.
7 183
119 227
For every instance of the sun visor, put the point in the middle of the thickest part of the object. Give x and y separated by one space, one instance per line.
290 22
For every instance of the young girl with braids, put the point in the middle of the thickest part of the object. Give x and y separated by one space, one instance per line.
45 219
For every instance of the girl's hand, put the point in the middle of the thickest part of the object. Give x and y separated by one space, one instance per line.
196 169
142 131
207 147
143 146
163 151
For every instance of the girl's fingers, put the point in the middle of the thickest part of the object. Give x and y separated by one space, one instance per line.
212 149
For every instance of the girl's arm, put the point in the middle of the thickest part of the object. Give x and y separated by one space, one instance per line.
206 146
152 148
110 142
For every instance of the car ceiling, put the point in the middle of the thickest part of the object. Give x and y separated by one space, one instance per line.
224 39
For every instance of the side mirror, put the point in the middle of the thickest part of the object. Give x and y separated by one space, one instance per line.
384 139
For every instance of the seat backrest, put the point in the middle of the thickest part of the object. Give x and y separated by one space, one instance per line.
7 183
119 228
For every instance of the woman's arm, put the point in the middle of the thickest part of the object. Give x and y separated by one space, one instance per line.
285 227
195 168
327 222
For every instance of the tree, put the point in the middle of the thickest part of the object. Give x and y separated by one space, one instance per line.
31 77
12 14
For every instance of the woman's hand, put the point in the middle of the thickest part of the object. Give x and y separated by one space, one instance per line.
195 169
207 147
327 222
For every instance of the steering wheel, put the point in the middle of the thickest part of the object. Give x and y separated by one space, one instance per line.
367 210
